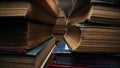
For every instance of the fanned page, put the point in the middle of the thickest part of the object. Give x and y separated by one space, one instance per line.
81 10
73 37
77 6
50 6
78 12
81 15
66 5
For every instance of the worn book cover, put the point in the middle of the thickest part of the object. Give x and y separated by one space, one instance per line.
82 60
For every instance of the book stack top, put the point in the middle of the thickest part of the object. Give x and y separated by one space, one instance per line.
92 26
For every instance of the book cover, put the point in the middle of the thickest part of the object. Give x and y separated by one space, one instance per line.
61 48
36 50
94 60
56 65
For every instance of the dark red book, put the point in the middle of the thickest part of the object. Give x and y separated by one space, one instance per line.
54 65
84 61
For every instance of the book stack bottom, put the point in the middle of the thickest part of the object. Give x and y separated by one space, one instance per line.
64 58
34 58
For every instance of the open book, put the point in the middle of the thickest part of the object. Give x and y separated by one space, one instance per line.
76 10
95 36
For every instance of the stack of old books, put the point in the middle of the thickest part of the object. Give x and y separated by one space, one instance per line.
92 36
26 32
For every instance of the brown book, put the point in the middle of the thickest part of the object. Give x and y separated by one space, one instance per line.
105 12
26 9
50 6
23 25
21 36
93 39
33 59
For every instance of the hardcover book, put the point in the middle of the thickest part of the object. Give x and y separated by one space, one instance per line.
82 60
25 9
93 38
20 36
34 58
23 25
105 12
54 65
